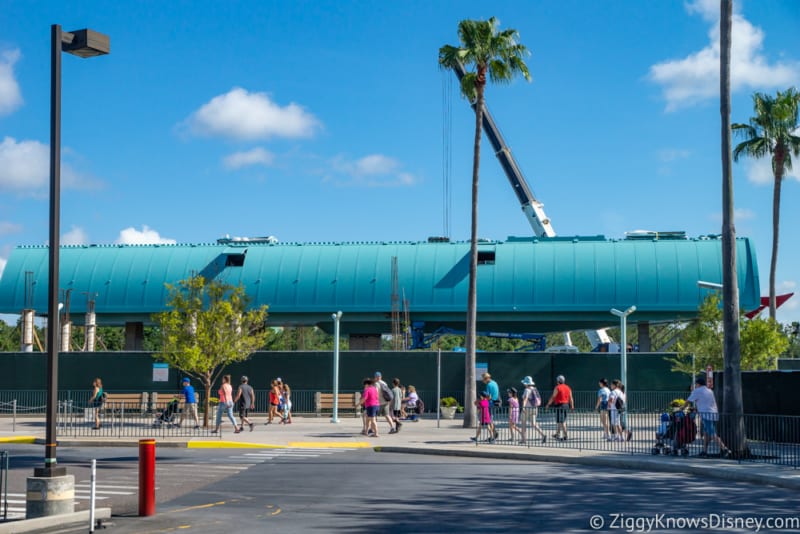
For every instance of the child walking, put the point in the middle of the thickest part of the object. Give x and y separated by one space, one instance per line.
485 417
513 414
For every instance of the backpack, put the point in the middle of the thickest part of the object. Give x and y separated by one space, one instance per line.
388 396
534 399
420 406
619 404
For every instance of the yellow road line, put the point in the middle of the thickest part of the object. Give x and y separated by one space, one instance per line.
231 445
18 439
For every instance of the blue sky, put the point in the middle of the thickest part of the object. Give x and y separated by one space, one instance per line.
324 120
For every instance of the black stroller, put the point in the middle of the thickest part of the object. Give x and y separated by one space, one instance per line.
169 415
676 432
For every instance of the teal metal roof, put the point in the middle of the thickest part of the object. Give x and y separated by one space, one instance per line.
525 284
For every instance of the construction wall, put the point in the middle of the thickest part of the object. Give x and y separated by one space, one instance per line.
134 371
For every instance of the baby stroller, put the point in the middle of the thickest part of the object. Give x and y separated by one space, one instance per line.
169 414
676 432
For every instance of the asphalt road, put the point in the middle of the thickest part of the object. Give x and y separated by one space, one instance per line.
365 492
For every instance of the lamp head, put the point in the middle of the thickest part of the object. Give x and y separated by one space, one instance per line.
85 43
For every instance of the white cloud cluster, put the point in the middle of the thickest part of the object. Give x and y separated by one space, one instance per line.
239 114
25 168
374 170
695 78
10 95
145 236
75 236
247 158
759 171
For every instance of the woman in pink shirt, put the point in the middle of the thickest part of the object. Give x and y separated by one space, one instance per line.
369 399
225 393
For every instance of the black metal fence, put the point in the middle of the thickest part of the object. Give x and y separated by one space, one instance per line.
132 419
770 439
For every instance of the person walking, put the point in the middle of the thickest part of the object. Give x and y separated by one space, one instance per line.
225 405
491 387
96 401
706 405
561 400
601 406
485 417
245 401
274 401
371 404
385 399
189 403
616 405
513 414
531 400
286 416
397 401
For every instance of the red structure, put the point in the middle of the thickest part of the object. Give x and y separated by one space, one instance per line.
147 477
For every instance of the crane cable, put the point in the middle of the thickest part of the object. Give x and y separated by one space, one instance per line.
447 150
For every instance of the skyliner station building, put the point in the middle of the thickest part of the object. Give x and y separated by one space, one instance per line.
531 284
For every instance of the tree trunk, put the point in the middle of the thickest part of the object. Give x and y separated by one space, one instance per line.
206 403
776 215
472 294
732 424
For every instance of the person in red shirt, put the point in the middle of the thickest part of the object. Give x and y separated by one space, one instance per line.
561 400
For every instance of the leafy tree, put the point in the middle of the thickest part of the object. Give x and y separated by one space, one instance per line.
792 332
497 55
771 132
9 337
207 327
762 341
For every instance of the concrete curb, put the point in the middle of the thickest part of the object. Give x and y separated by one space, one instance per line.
726 471
53 521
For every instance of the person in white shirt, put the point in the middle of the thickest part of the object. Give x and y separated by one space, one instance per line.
613 411
706 405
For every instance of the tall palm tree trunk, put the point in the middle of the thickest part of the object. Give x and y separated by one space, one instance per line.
472 294
776 215
733 431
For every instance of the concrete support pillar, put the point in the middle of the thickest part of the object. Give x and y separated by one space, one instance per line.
643 329
48 496
134 336
365 341
90 332
66 337
27 330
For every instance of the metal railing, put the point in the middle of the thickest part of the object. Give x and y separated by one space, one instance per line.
770 439
129 419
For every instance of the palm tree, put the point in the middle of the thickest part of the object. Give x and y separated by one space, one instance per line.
735 437
498 55
772 132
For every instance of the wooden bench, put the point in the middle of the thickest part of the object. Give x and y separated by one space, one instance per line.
346 401
159 404
126 402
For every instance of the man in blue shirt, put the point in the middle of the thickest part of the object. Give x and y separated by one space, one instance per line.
493 391
190 403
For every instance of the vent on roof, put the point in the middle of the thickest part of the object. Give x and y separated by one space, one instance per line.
486 257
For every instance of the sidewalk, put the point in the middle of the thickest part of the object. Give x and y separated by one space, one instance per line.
423 437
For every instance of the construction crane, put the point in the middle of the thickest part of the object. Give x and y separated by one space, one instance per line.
531 206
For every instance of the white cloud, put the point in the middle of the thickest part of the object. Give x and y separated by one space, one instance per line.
374 170
7 228
75 236
239 114
759 171
25 168
10 95
256 156
3 262
695 78
673 154
132 236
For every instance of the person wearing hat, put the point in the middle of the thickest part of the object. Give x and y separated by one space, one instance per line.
189 402
245 401
531 400
561 400
706 405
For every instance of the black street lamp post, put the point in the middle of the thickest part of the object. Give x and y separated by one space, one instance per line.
82 43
